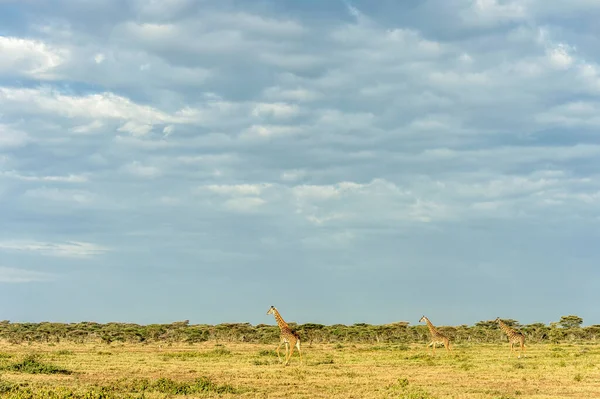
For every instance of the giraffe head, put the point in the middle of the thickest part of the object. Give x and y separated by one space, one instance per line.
271 310
422 318
497 320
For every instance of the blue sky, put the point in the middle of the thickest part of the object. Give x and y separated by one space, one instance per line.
360 161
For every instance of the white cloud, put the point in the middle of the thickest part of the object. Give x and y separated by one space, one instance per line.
268 131
237 189
559 57
142 143
10 138
99 58
290 94
208 159
72 178
135 128
314 192
88 128
259 24
420 200
168 130
16 275
323 192
573 114
492 12
69 249
244 204
93 106
428 211
590 74
319 220
275 110
81 197
292 175
29 57
136 168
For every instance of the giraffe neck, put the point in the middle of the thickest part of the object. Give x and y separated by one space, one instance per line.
505 328
280 322
432 329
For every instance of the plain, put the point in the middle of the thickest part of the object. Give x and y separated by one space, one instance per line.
209 369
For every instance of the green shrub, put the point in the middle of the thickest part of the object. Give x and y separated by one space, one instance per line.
31 365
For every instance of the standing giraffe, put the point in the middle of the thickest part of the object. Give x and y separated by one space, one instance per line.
514 337
436 336
287 337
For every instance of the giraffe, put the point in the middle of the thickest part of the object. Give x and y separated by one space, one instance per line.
436 336
287 337
514 337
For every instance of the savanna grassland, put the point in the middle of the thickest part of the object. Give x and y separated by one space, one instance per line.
352 370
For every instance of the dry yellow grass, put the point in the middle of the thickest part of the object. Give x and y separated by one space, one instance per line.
329 371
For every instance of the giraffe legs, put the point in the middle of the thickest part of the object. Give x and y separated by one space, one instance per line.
292 346
279 346
522 349
513 349
299 351
432 344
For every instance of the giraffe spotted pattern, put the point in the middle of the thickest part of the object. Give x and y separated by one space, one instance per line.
514 337
437 338
287 337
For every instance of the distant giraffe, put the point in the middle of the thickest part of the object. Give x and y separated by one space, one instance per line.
514 337
436 336
287 337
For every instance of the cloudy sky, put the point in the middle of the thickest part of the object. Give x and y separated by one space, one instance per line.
345 161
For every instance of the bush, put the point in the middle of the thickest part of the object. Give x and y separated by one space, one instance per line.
31 365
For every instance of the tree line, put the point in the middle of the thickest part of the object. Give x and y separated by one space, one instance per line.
567 329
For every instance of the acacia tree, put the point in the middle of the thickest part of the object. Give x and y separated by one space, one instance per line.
570 321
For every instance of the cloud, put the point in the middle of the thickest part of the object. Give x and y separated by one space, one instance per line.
137 169
574 114
332 139
292 175
58 179
237 189
94 106
15 275
560 57
291 94
268 131
494 12
275 110
243 204
29 57
88 128
82 197
69 249
321 192
10 138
